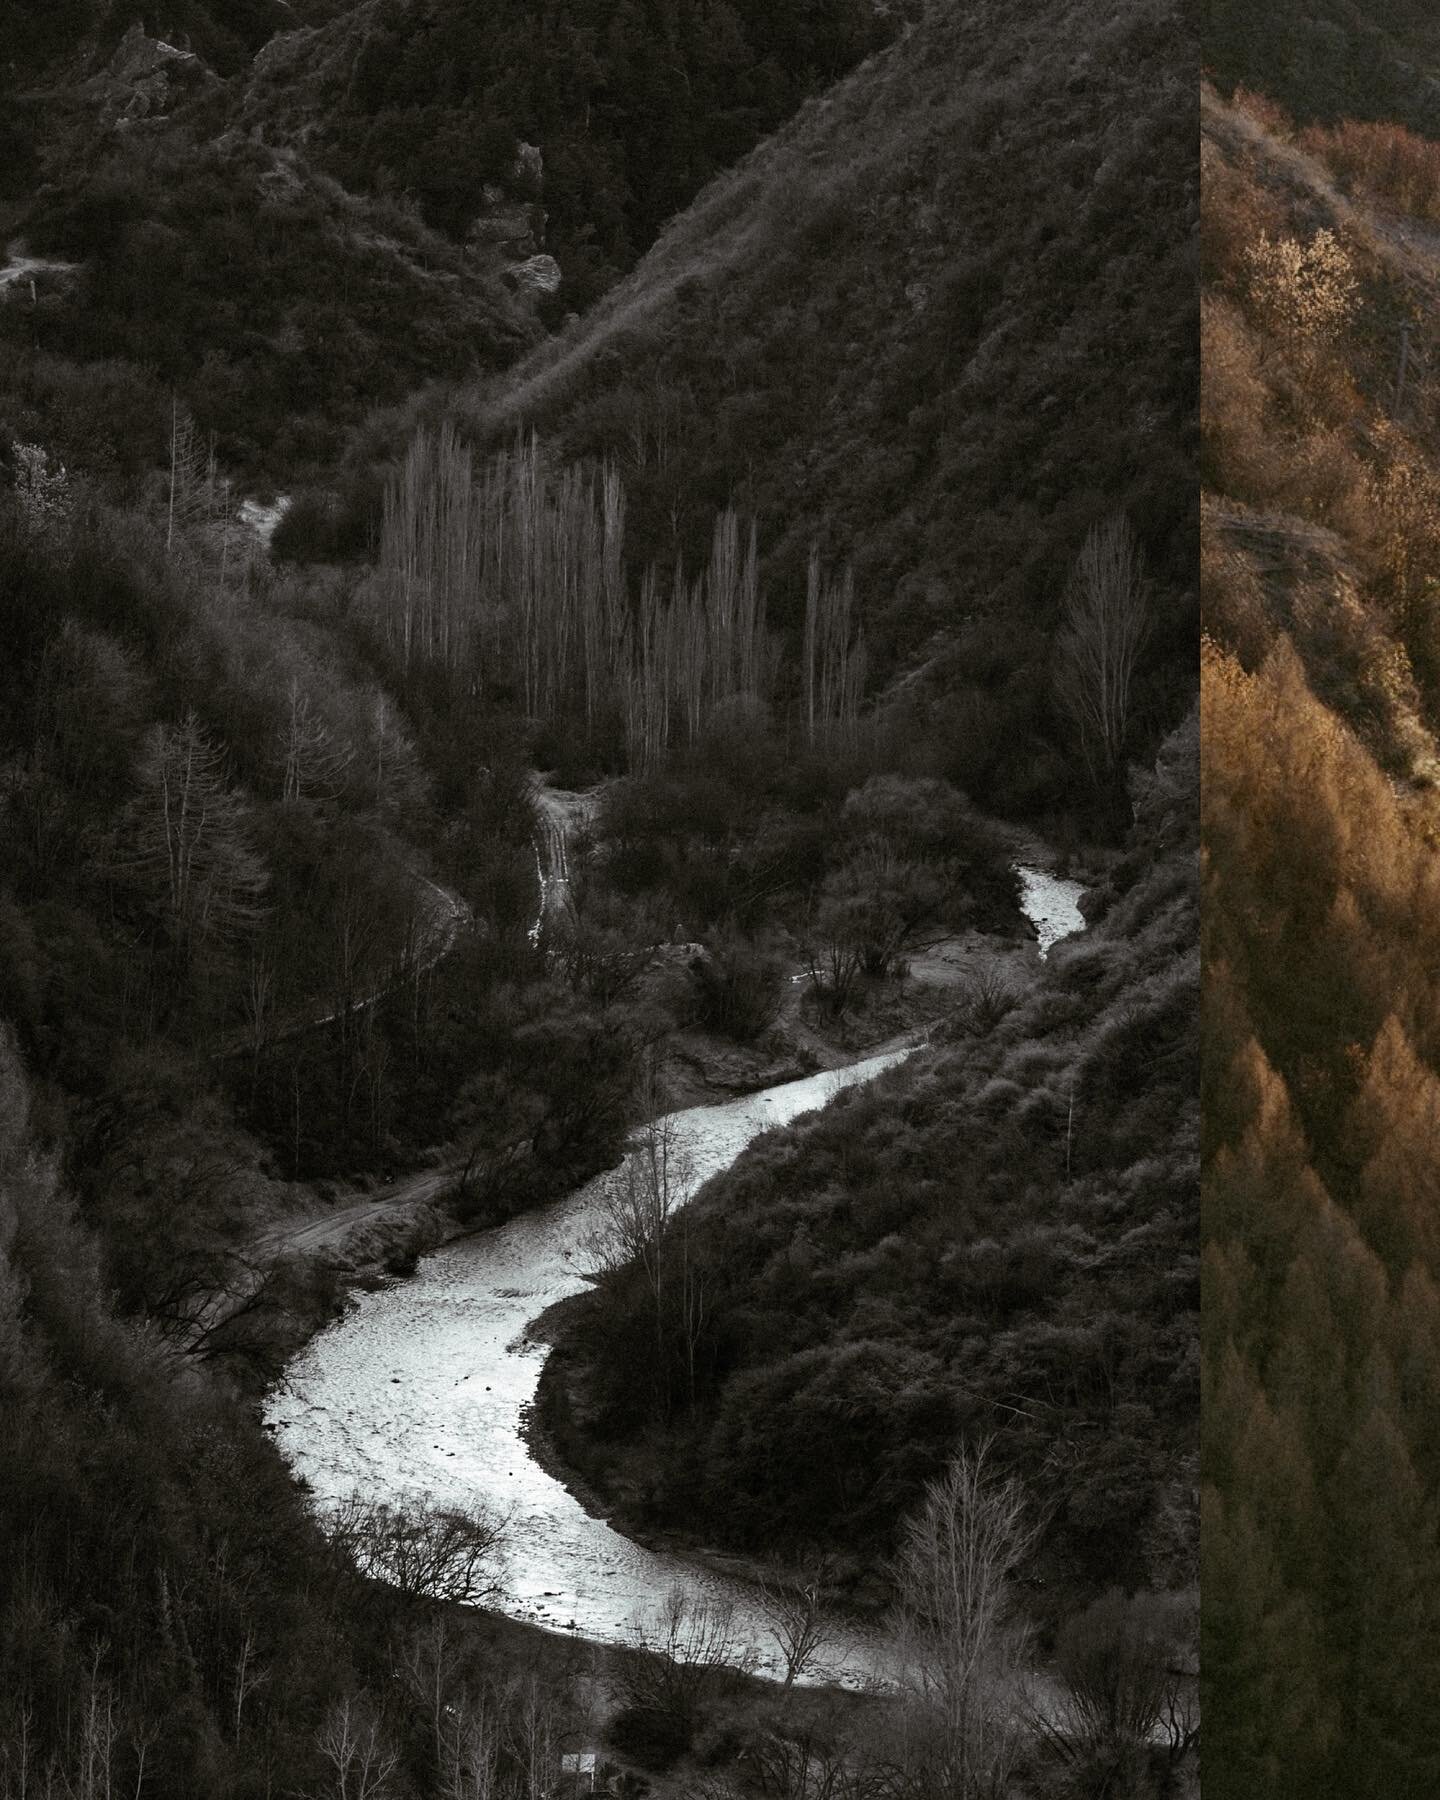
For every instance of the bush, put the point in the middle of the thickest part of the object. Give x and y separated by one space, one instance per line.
737 988
1385 162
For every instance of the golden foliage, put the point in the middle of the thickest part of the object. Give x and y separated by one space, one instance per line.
1306 292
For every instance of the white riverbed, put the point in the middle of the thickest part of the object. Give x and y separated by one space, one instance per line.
421 1387
1051 904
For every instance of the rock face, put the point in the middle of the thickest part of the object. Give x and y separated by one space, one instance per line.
536 275
514 227
144 77
528 169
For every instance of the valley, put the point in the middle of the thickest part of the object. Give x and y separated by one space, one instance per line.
599 908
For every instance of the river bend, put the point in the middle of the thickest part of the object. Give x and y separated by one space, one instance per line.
421 1388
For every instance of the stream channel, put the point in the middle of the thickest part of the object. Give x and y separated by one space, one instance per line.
422 1388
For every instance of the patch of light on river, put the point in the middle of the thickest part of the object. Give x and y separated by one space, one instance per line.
1051 904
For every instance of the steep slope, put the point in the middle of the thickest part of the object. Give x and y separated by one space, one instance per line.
997 1238
293 213
1321 1061
277 303
1331 59
633 108
939 324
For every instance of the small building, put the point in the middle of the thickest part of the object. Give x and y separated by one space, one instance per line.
577 1772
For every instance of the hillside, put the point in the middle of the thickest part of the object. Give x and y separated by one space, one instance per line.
785 597
1322 708
210 263
936 325
632 108
294 214
998 1237
1328 60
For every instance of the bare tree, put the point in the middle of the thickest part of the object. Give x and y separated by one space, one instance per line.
185 836
395 776
1126 1679
1106 619
471 1751
192 490
675 1653
832 656
425 1550
794 1603
312 764
962 1650
352 1742
248 1676
519 569
637 1205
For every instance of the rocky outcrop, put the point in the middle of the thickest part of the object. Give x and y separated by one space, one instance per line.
145 79
515 228
299 81
536 275
511 225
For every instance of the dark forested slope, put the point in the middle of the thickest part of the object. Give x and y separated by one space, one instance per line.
938 325
940 328
293 213
997 1238
1332 59
633 107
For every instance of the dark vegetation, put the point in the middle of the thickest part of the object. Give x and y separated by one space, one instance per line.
172 1622
900 331
1321 710
285 279
227 959
267 878
280 307
1328 61
635 108
997 1238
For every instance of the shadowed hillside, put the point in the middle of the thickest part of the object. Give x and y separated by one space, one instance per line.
293 213
859 515
1332 59
937 325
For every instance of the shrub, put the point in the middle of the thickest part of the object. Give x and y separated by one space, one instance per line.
1385 161
736 987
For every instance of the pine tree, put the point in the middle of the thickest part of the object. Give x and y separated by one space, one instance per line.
312 764
184 841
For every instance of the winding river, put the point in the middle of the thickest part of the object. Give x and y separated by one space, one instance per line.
422 1388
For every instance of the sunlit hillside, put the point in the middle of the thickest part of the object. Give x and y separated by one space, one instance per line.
1322 1099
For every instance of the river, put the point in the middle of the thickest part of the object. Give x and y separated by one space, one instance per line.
422 1388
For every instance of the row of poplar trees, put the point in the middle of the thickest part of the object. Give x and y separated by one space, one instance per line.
514 576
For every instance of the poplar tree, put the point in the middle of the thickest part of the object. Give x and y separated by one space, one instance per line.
1106 611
